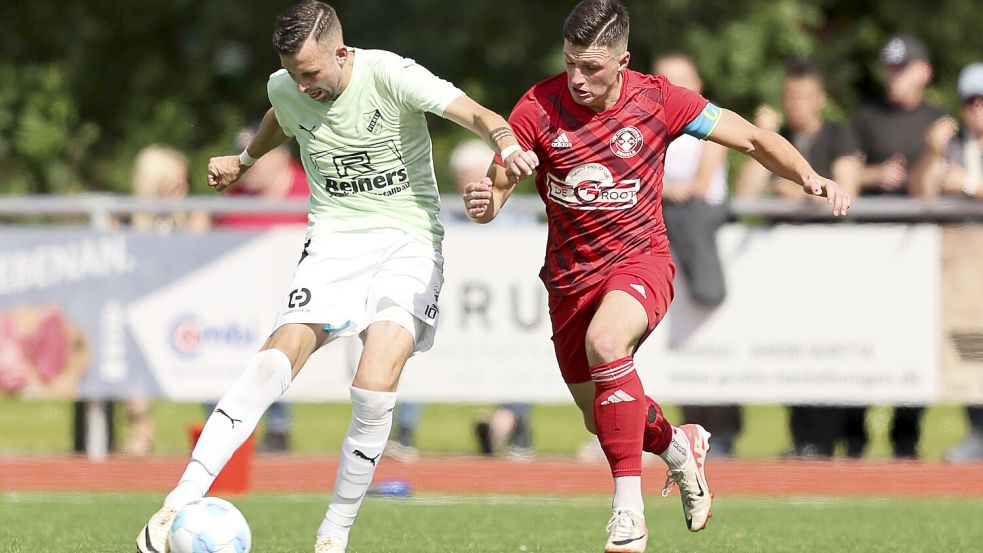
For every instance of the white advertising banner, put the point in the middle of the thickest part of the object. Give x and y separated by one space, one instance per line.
826 314
199 331
834 314
814 313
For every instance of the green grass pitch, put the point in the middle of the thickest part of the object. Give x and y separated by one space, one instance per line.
493 524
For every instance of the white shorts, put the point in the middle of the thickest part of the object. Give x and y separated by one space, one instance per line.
347 281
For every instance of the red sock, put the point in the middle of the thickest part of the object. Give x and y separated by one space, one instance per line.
658 431
619 415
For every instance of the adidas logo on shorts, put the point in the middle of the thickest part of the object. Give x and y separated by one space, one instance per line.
561 141
619 396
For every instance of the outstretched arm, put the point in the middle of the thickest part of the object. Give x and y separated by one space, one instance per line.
495 130
484 199
224 171
778 156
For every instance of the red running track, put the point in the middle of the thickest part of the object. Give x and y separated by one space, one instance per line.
473 475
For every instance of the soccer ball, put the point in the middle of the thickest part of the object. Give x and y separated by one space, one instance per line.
209 525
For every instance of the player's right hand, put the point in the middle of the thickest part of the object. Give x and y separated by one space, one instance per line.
224 171
521 164
478 197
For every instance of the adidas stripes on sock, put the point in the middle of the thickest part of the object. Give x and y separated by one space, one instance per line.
619 415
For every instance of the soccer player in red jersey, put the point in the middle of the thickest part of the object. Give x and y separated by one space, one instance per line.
600 132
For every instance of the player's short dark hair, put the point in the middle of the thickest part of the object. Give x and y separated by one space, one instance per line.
797 68
597 22
308 19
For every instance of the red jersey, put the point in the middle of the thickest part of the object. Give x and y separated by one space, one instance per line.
298 189
600 173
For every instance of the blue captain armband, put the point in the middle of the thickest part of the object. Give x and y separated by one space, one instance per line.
703 124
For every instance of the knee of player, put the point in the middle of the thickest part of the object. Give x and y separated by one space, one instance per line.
271 365
606 345
376 380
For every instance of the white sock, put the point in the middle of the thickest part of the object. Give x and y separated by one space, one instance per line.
266 377
628 494
372 418
677 453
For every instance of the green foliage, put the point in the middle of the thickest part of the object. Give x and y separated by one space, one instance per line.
85 85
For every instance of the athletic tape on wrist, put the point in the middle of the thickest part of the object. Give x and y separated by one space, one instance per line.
509 150
246 159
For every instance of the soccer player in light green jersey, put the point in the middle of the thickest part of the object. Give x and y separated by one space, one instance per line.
371 266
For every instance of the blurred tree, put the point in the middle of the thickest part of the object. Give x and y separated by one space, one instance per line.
84 85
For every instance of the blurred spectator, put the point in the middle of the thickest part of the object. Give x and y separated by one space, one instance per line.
158 172
506 429
162 172
402 445
832 151
830 148
891 135
275 176
693 204
953 164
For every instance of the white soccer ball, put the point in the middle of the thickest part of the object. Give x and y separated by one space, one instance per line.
209 525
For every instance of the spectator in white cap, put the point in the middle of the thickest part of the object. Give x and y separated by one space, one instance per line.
953 165
952 162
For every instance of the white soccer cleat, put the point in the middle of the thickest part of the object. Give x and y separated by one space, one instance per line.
330 544
692 480
153 537
627 532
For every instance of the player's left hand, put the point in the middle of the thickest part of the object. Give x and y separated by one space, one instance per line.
478 197
521 164
816 185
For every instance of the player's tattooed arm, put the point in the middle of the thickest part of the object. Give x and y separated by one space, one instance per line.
499 135
496 130
518 164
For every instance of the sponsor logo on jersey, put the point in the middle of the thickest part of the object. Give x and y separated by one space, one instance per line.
561 141
378 169
373 120
591 187
627 142
312 130
190 336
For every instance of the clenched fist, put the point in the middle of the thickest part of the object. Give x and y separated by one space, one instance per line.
224 171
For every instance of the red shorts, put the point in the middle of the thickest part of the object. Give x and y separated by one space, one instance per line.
646 277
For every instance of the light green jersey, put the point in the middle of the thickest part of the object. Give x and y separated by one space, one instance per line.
368 154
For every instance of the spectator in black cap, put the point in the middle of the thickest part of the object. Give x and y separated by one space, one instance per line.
891 135
892 132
